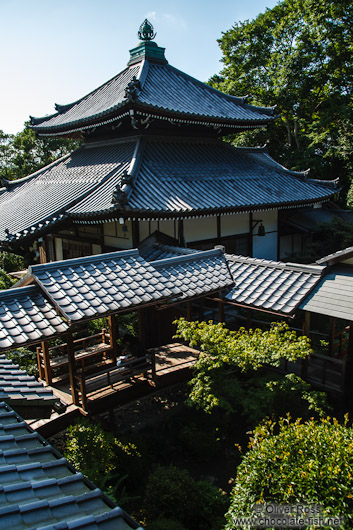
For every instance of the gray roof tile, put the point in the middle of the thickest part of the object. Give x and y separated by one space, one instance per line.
332 296
19 324
39 489
190 270
76 305
163 88
270 285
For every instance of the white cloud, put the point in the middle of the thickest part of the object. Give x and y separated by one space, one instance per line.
151 15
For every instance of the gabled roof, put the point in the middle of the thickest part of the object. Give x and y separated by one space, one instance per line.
95 286
270 285
140 176
26 317
332 296
40 490
341 256
151 87
80 289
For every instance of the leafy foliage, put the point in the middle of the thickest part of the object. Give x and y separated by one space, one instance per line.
296 462
299 56
227 355
11 262
26 360
5 280
172 493
24 153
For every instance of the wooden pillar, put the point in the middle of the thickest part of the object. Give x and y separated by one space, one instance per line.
248 318
142 328
332 336
251 245
135 233
220 311
47 367
42 252
112 336
72 368
348 369
181 236
306 332
189 311
219 231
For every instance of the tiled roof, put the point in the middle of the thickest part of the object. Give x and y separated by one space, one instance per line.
97 285
163 89
27 317
176 175
196 274
169 177
332 296
270 285
159 252
18 388
40 490
30 204
335 257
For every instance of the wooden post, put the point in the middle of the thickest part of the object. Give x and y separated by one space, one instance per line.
47 367
72 368
142 328
39 363
112 336
220 311
248 318
306 332
332 336
348 369
189 311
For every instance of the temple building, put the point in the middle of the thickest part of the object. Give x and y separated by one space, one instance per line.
153 159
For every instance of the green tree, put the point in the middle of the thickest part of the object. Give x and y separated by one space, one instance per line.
298 56
24 153
229 371
296 463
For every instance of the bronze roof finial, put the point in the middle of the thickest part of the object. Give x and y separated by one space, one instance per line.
146 31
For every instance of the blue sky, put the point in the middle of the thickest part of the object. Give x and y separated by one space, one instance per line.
56 51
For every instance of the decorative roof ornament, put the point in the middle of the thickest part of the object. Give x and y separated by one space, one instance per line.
132 90
146 31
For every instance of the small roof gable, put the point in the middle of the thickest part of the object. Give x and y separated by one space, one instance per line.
344 256
332 296
84 288
40 489
270 285
197 273
26 317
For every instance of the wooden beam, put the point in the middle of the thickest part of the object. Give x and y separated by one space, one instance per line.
332 336
306 332
47 367
348 369
72 368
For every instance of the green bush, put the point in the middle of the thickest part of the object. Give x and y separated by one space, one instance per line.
5 280
163 524
173 494
26 360
295 463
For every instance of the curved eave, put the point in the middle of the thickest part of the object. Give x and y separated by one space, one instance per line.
156 112
114 212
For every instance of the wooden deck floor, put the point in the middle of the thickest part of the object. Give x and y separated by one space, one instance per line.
173 362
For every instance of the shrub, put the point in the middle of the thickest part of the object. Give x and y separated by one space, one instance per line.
26 360
295 463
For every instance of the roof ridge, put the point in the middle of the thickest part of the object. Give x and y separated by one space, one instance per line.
186 257
86 259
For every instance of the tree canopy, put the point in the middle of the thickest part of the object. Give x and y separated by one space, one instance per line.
23 153
298 56
228 373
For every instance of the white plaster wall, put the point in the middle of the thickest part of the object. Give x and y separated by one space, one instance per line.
234 224
266 247
58 249
200 229
115 237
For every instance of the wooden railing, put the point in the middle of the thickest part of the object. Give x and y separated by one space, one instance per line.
54 359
